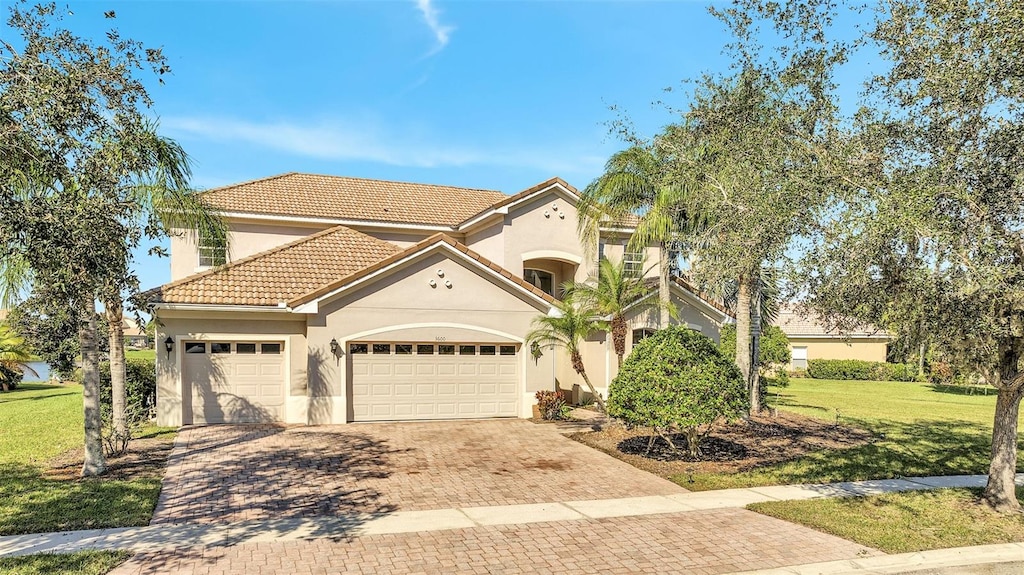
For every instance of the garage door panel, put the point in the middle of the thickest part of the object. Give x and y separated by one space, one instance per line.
433 386
228 387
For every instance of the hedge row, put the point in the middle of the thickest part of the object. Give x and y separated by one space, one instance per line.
140 382
862 370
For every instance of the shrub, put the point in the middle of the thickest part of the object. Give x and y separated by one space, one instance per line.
677 380
774 346
860 370
552 405
140 382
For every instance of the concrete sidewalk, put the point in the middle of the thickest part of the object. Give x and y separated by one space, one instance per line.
213 535
956 560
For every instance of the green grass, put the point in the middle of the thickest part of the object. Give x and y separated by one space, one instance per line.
905 522
140 354
81 563
919 430
38 423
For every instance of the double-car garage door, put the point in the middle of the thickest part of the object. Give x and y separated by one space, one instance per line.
409 381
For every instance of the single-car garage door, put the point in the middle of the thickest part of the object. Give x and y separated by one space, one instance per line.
410 381
234 382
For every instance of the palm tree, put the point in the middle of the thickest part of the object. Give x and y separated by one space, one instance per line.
614 290
567 327
636 183
163 200
14 354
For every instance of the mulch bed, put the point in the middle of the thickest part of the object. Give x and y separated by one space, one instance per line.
761 440
146 459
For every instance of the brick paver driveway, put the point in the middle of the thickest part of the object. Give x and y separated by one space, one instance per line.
236 473
698 542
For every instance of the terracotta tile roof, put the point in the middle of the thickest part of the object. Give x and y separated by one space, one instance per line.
706 298
795 321
342 198
432 240
280 274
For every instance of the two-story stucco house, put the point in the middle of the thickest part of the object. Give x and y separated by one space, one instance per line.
342 299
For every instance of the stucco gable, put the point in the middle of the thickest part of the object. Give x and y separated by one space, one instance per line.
439 243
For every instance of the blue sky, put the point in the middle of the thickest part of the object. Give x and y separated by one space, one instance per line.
497 95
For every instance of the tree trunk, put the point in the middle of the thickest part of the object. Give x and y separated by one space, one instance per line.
664 296
577 365
743 297
95 463
619 330
1000 492
754 380
115 320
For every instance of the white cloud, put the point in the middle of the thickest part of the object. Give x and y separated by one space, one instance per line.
362 141
431 16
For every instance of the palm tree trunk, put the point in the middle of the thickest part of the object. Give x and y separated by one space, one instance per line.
663 288
743 347
115 320
94 463
754 381
577 365
619 330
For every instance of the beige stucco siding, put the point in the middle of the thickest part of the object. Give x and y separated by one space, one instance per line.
537 230
244 239
213 326
403 307
867 349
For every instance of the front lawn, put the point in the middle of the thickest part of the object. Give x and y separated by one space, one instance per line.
918 430
149 354
905 522
40 455
81 563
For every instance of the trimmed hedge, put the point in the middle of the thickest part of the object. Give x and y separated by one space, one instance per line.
860 370
140 382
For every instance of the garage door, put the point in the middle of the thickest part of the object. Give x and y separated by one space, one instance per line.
235 382
410 381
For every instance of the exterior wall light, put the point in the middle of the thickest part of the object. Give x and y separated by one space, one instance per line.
169 345
334 346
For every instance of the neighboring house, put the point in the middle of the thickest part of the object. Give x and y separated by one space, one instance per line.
343 299
134 335
809 339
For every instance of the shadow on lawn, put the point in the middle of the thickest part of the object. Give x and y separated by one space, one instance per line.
976 390
31 502
899 449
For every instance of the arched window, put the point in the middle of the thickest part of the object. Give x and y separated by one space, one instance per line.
641 334
543 280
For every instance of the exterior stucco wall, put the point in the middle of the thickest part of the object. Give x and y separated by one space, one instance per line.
614 247
212 326
402 240
527 230
244 239
489 242
867 349
403 307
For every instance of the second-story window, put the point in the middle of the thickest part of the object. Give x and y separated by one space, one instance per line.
541 279
633 263
212 252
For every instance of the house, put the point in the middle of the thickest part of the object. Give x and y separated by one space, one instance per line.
342 299
810 339
134 334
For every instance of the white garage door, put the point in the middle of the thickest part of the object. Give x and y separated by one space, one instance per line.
410 381
234 382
